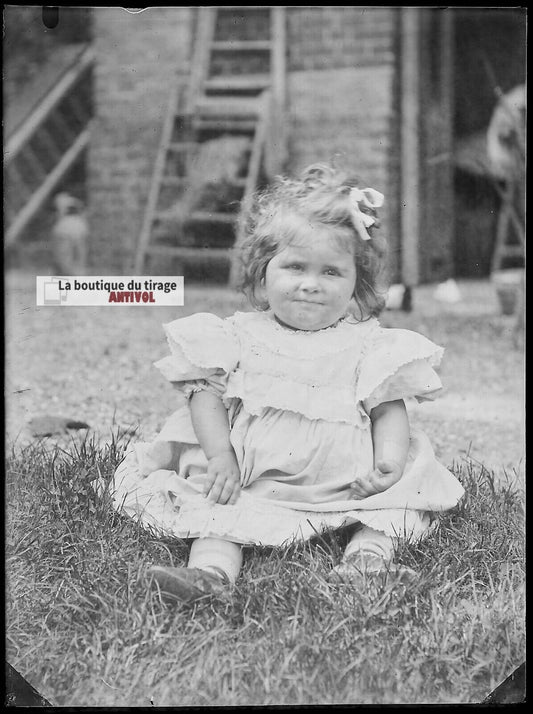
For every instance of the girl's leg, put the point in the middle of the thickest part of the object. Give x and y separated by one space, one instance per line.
369 551
215 555
213 564
368 541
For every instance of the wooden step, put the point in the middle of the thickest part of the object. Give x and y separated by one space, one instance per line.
198 217
226 125
227 106
238 83
241 46
178 181
181 181
182 146
244 8
512 251
184 252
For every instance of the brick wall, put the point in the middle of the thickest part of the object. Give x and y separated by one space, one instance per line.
341 78
355 134
342 99
138 56
326 37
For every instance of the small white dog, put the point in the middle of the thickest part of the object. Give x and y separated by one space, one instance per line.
70 235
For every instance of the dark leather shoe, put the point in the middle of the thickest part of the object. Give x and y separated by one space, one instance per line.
187 584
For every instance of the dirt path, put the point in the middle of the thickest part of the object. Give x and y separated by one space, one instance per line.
95 364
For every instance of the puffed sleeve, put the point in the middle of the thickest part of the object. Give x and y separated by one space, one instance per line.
203 351
399 364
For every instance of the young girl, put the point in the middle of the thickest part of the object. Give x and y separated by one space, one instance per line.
295 419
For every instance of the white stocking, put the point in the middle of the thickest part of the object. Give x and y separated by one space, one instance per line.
214 554
372 542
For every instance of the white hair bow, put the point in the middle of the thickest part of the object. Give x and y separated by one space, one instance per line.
370 198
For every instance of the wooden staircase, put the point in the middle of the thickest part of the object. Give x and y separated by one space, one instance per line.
40 152
223 136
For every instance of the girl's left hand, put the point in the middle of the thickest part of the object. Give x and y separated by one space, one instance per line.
385 475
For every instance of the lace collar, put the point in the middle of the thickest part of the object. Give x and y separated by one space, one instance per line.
288 328
265 330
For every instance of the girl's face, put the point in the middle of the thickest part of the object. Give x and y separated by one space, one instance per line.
309 284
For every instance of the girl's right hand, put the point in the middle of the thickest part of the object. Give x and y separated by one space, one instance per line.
222 483
385 475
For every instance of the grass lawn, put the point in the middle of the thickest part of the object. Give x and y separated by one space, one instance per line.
84 628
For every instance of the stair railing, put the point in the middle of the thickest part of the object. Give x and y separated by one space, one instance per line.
42 150
252 179
197 75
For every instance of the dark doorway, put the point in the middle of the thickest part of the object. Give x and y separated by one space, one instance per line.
489 57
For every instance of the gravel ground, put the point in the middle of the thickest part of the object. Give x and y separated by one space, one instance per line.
96 365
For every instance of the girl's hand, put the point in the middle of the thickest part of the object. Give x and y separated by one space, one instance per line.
222 483
379 479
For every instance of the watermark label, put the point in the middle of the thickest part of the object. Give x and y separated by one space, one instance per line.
91 290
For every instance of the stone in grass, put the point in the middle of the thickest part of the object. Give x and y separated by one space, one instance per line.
51 425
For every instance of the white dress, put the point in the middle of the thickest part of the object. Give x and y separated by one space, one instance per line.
298 405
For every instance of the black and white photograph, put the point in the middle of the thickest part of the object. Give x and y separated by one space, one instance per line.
264 288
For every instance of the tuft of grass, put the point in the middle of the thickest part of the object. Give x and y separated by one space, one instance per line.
86 630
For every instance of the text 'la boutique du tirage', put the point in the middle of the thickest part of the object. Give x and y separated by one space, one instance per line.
118 286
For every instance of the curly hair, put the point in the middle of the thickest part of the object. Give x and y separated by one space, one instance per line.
320 195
